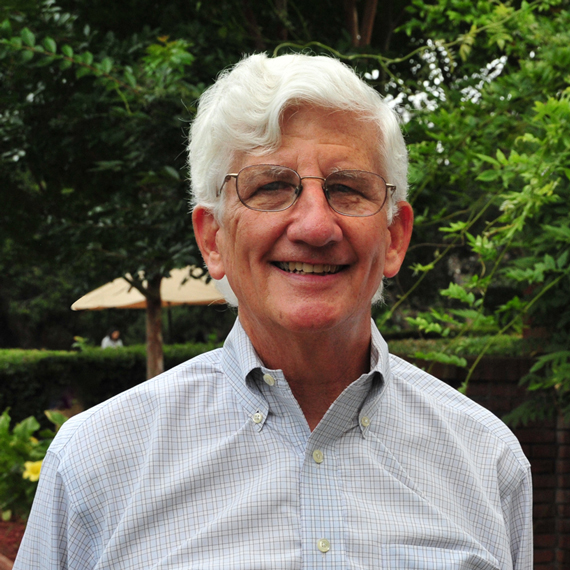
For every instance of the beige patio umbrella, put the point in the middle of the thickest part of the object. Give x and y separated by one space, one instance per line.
178 289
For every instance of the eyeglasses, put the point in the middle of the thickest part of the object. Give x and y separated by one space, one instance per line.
271 188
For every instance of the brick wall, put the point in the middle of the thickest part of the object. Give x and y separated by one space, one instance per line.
494 385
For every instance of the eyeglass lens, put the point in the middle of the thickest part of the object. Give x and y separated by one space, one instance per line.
273 188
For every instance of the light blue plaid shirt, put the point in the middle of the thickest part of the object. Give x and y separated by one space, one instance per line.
213 466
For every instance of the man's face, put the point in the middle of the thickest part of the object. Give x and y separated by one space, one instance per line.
256 249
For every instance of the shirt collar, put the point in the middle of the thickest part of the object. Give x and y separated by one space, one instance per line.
356 405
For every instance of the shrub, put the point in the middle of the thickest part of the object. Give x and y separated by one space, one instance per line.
21 455
35 380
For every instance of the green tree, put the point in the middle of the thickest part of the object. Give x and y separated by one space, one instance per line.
482 88
96 99
490 173
92 137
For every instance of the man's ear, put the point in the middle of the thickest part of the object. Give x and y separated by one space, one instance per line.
400 234
206 229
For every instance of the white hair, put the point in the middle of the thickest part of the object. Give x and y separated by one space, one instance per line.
243 109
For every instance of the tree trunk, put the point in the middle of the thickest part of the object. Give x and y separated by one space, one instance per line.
351 18
154 355
368 22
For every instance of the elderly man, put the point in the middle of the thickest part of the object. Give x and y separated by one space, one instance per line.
302 443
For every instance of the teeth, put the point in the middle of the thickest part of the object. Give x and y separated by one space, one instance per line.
298 267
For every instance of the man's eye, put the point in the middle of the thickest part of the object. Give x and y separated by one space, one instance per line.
275 186
341 189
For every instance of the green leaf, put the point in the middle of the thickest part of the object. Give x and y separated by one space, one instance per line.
488 159
50 45
424 325
56 418
455 291
106 65
172 172
4 422
87 57
549 262
488 175
82 71
454 227
130 78
28 37
26 55
443 358
419 268
26 428
6 28
501 157
562 259
45 61
67 50
65 64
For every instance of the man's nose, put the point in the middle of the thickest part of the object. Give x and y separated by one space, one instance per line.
314 221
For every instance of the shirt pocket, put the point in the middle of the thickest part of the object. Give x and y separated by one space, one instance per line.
409 557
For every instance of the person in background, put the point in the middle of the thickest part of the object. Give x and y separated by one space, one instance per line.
113 339
302 443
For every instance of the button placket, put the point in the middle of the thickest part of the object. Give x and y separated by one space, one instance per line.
323 535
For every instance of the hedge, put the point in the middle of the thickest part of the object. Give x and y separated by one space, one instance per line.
32 381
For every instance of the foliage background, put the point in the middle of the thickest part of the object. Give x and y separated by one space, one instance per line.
36 380
97 97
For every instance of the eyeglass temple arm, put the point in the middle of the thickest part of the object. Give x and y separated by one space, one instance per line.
226 178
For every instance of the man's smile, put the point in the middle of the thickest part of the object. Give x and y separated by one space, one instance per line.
301 267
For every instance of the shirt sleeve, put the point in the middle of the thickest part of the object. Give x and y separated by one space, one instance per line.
518 516
44 546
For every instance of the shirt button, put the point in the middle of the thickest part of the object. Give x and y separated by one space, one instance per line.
257 418
365 421
268 379
323 545
318 456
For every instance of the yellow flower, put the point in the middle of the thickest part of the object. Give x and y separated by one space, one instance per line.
32 471
34 440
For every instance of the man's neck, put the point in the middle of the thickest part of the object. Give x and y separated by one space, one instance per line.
317 366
